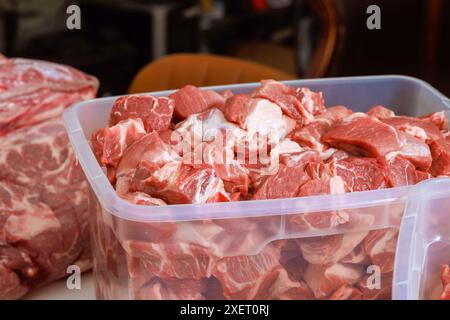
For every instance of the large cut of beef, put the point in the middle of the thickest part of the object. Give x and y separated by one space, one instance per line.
198 146
43 192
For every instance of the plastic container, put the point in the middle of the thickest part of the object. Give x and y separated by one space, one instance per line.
424 242
138 256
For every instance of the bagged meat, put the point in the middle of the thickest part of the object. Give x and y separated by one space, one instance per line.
199 147
43 192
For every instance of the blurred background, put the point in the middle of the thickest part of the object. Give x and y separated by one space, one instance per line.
295 38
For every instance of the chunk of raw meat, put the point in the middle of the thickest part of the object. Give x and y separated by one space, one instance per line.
284 184
380 112
313 102
149 148
10 284
155 112
420 128
171 289
221 158
292 260
109 144
310 135
361 135
357 256
169 260
177 183
264 118
240 276
330 249
234 107
414 150
298 104
445 278
229 237
209 126
380 245
441 158
346 292
324 280
33 91
439 119
191 100
401 172
280 286
359 174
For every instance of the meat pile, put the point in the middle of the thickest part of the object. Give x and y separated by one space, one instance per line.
43 193
200 146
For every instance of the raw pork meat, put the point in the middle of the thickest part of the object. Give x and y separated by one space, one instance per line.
43 193
205 152
445 278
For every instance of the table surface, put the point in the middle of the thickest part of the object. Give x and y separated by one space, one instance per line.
59 291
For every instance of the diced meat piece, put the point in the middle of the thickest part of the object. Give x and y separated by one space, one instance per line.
373 288
10 284
171 289
286 98
155 112
334 114
240 276
227 93
357 256
235 107
380 245
205 127
421 129
221 158
439 119
346 292
324 280
109 144
292 260
177 183
310 135
284 184
414 150
445 278
401 172
359 174
169 260
361 135
284 288
380 112
191 100
330 249
337 155
264 118
313 102
440 151
149 149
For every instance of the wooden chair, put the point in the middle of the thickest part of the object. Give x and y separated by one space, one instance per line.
177 70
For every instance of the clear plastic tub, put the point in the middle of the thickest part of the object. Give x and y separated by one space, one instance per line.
424 242
270 249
